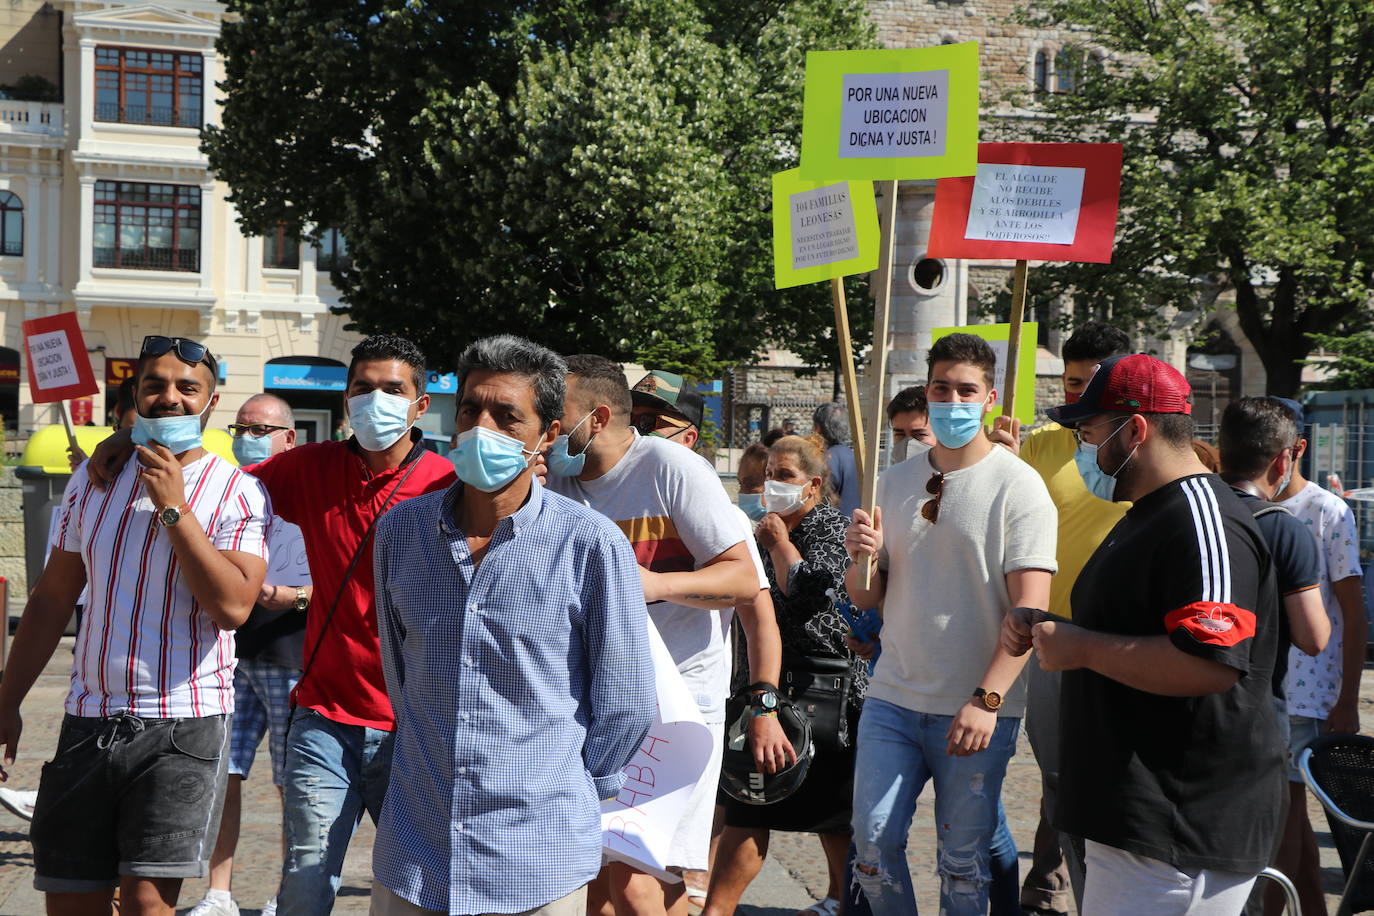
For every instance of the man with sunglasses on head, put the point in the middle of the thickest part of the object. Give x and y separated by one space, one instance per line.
338 754
269 644
694 565
962 533
1170 766
174 551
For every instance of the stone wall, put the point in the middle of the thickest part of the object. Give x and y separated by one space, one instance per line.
1006 49
759 384
762 397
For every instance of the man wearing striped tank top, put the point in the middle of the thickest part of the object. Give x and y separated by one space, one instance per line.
174 551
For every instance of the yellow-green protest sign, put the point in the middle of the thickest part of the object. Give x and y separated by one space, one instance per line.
891 114
822 229
997 336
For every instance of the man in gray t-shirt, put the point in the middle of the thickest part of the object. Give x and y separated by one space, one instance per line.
963 533
694 564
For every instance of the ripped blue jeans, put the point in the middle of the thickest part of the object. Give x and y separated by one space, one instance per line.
334 772
898 751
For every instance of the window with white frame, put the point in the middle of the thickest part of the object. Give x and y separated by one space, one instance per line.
145 86
147 226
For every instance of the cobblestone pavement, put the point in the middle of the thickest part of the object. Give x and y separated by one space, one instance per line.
794 875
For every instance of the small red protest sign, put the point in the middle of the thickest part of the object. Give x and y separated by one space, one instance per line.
59 368
1031 201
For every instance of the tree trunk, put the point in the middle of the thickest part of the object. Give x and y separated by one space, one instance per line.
1283 366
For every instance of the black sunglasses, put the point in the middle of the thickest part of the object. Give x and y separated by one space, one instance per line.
187 350
935 486
649 422
257 430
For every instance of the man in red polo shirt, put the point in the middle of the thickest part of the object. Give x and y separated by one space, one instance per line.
338 748
338 752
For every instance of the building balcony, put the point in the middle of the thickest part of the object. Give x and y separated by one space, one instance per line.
29 118
37 120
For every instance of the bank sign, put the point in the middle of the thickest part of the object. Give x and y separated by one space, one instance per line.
303 377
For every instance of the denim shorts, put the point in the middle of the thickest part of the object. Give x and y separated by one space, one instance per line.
146 794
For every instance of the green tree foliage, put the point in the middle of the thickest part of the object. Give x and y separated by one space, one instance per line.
593 175
1249 136
1353 363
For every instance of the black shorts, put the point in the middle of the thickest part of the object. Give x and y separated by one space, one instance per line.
129 796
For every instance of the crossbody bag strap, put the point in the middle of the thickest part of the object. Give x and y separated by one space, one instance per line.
348 574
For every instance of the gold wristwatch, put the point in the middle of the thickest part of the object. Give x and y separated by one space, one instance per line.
302 599
170 515
991 698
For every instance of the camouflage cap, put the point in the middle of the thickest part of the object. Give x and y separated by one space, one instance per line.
661 390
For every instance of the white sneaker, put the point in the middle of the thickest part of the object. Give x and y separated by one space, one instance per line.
270 907
208 907
19 801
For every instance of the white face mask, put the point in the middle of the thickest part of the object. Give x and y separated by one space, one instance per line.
782 498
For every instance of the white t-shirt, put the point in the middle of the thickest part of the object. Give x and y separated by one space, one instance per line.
146 645
946 589
1313 684
673 508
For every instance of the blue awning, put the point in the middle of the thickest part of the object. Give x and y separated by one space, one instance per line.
301 377
305 377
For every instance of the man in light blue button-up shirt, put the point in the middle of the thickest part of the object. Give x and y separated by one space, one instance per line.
515 646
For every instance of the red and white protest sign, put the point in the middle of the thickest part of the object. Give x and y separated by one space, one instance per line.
1033 202
59 368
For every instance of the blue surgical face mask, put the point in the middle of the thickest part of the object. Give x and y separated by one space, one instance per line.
1099 482
559 462
488 460
379 419
250 449
955 423
1287 478
752 505
179 434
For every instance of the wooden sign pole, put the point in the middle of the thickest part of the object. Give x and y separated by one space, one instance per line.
877 367
851 380
67 422
1018 311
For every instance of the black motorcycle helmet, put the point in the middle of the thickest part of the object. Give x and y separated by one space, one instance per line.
738 777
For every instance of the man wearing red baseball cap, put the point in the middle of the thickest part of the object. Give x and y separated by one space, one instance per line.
1169 768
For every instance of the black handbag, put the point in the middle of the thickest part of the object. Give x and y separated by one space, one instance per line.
819 688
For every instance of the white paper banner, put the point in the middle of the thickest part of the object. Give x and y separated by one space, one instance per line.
822 227
638 825
53 363
894 114
1025 203
286 563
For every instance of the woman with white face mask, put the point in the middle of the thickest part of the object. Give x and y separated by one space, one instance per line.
802 536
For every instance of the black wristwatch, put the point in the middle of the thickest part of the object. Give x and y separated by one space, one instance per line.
763 696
